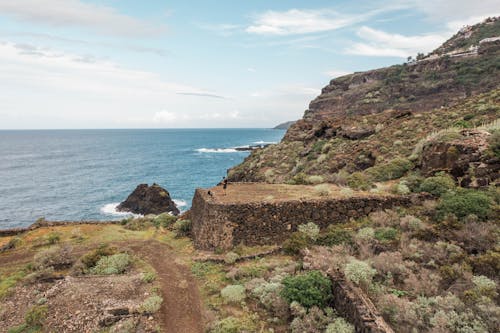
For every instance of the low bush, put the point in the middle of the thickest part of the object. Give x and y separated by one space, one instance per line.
335 236
313 321
340 325
56 257
91 258
393 169
494 141
359 272
400 188
269 295
464 202
411 223
437 185
164 220
151 304
297 242
359 181
315 179
387 234
487 264
309 289
230 325
365 234
182 227
53 238
323 190
148 277
311 230
231 257
234 293
35 316
114 264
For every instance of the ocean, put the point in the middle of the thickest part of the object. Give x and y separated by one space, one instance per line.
83 174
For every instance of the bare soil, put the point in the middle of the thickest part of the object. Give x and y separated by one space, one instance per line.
77 304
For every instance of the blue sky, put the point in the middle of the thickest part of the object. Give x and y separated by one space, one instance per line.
164 64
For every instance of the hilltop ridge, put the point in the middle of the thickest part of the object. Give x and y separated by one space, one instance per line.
368 118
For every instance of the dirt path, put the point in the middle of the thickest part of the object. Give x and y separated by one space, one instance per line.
181 311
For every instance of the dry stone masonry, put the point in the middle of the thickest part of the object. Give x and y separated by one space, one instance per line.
222 225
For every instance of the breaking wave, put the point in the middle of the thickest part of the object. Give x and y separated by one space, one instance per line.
110 209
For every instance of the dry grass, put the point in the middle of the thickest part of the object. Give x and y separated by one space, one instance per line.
258 192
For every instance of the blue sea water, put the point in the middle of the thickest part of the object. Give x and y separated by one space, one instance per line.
82 174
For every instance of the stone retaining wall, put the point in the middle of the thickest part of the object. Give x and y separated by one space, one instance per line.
218 225
351 303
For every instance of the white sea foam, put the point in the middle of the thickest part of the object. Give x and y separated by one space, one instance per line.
264 142
216 150
180 203
110 209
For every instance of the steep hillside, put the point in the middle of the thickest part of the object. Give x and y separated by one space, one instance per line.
366 120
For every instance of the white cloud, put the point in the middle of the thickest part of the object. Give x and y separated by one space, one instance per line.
296 21
223 29
381 43
76 13
334 73
456 10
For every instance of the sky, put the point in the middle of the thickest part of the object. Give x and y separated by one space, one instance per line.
70 64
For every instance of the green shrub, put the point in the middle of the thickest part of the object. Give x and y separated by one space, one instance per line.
347 192
365 234
56 257
35 316
484 286
323 190
359 272
228 325
311 230
297 242
309 289
91 258
387 234
315 179
359 181
494 141
151 304
400 188
233 293
182 227
335 236
487 264
340 325
231 257
164 220
12 244
53 238
114 264
299 179
413 181
148 277
437 185
393 169
463 203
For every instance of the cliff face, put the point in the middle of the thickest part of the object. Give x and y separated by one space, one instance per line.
364 119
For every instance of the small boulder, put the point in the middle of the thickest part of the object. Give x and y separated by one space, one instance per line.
149 200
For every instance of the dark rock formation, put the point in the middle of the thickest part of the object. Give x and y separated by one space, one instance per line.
464 158
285 125
253 147
386 111
149 200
